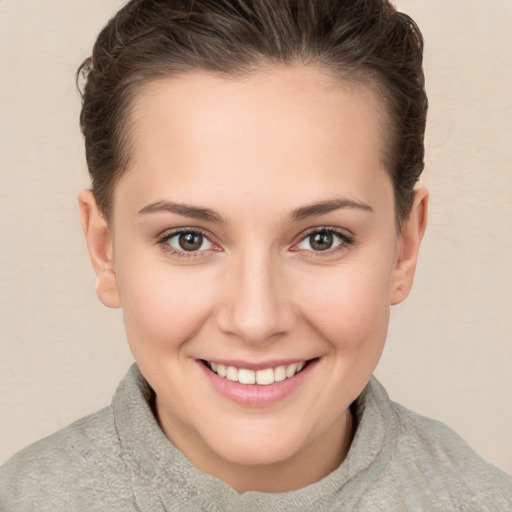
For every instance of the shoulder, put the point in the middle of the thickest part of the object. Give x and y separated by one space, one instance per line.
442 464
422 464
77 457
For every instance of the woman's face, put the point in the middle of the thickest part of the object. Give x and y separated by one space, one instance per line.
255 231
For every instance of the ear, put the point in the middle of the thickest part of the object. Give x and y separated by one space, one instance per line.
99 243
409 239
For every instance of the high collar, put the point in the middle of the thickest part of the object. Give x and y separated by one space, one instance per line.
156 462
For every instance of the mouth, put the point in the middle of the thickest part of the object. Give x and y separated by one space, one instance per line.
263 377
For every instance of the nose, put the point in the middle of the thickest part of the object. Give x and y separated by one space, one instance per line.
258 307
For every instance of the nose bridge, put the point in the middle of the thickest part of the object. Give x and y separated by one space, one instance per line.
259 306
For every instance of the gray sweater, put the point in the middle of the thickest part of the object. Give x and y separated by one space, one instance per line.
118 459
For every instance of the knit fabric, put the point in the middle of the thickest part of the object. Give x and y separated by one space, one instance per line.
118 459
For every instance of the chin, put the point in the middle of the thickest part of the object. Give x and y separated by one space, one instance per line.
257 455
257 447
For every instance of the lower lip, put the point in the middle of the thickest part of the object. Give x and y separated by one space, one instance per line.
254 394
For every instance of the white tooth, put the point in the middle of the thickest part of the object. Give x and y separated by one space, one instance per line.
246 376
280 373
300 366
232 373
290 370
221 370
214 366
265 377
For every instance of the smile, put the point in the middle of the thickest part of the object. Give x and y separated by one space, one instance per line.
264 377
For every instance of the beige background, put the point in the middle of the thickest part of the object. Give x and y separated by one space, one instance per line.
449 352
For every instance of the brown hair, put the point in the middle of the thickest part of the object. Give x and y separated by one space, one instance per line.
362 41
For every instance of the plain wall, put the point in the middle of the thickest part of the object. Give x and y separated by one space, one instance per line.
449 352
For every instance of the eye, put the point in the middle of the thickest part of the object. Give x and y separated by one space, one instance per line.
323 239
188 241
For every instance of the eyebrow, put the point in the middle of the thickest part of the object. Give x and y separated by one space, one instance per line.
194 212
323 207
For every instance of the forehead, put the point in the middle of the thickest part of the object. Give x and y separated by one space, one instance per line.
274 96
289 127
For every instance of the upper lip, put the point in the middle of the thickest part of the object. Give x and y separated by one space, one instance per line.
255 366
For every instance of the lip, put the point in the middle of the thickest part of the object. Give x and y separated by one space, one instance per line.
254 394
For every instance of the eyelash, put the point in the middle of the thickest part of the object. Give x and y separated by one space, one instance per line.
164 239
345 242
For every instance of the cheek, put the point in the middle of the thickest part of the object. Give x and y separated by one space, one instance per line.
350 306
163 306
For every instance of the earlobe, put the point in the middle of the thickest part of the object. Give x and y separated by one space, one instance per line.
409 241
99 244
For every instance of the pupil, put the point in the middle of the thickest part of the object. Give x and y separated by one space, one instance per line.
321 241
190 241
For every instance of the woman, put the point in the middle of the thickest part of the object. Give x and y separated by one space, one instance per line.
254 212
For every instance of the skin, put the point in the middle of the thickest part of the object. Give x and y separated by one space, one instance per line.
256 152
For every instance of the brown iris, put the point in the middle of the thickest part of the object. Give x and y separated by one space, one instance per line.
190 241
321 241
